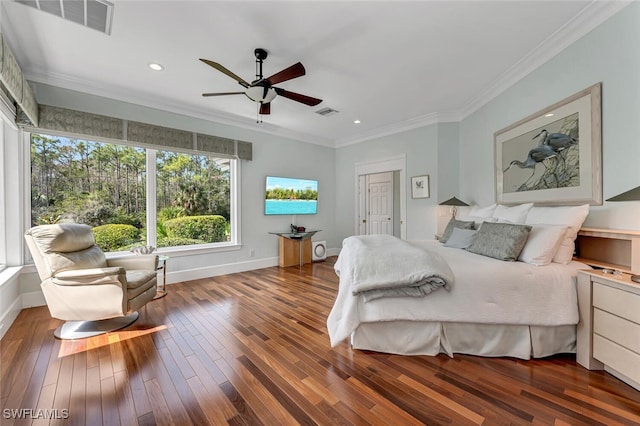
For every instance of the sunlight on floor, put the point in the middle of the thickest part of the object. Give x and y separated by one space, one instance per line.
71 347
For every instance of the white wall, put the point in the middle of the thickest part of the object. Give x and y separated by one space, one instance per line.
609 54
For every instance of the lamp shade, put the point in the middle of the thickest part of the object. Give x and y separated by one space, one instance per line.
453 202
631 195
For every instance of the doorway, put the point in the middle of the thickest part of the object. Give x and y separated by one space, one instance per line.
379 203
380 197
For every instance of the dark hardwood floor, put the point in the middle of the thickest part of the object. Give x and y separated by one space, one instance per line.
252 348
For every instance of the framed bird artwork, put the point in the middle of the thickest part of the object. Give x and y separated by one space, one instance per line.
554 156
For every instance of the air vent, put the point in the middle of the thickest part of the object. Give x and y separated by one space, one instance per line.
94 14
327 111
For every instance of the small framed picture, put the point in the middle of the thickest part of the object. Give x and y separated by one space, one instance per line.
420 186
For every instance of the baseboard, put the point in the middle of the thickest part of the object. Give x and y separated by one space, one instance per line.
35 298
212 271
333 252
10 316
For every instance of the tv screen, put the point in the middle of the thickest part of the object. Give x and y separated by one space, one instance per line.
290 196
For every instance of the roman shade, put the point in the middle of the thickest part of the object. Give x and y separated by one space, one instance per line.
15 84
86 125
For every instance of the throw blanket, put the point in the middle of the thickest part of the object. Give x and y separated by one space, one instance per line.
384 266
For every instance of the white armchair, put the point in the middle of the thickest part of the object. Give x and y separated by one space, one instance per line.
92 294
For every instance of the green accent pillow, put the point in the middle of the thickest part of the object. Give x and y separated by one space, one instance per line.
503 241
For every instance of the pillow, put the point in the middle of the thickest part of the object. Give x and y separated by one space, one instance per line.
503 241
460 238
479 220
570 216
484 212
514 214
454 223
542 244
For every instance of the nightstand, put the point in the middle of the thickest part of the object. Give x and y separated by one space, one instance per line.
609 329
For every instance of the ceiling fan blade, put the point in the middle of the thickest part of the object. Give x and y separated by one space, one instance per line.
307 100
265 109
225 71
294 71
222 93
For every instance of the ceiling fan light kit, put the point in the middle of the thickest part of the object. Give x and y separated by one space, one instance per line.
262 90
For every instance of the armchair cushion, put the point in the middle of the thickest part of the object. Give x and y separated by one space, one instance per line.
146 262
94 276
137 278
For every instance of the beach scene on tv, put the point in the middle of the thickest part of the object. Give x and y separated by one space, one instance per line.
291 196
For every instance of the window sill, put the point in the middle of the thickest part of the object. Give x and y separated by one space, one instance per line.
185 251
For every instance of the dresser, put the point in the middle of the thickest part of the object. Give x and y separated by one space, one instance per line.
608 334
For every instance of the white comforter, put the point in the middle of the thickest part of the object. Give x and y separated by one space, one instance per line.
486 291
383 262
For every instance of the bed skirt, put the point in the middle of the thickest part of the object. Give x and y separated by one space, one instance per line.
490 340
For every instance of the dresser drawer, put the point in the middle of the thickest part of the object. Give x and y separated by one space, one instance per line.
621 303
618 330
616 357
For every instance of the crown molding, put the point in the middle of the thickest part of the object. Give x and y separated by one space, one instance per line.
403 126
588 19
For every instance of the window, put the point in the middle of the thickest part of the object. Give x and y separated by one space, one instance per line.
132 196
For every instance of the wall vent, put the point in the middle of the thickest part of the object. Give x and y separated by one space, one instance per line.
327 111
96 14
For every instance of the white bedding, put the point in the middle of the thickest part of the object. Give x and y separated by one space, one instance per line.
486 291
372 263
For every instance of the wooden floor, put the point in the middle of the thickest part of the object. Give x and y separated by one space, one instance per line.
252 348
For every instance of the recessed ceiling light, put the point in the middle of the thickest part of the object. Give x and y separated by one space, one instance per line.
549 115
356 121
155 66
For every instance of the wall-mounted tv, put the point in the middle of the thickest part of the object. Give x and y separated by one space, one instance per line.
291 196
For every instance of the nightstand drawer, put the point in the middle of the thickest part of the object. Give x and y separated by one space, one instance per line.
618 330
621 303
616 357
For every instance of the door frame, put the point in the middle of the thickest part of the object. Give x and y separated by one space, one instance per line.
391 164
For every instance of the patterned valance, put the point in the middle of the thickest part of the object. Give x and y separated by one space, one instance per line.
16 85
84 124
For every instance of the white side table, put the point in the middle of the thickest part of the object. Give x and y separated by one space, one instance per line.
162 280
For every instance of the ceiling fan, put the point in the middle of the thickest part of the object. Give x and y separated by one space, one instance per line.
262 90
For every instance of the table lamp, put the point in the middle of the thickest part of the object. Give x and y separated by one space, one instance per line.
631 195
454 203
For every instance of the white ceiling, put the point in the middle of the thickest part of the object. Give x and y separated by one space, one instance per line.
393 65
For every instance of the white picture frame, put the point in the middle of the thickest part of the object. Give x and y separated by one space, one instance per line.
531 166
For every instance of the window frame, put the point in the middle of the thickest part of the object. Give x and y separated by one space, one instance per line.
151 185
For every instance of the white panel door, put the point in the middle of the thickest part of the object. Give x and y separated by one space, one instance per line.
380 204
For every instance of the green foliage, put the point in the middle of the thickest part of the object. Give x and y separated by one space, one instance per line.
209 228
105 184
114 237
175 241
127 219
170 213
161 231
291 194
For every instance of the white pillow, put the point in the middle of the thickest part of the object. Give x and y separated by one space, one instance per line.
460 238
479 220
515 214
542 244
483 212
571 216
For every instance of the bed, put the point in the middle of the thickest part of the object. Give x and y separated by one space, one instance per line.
491 308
